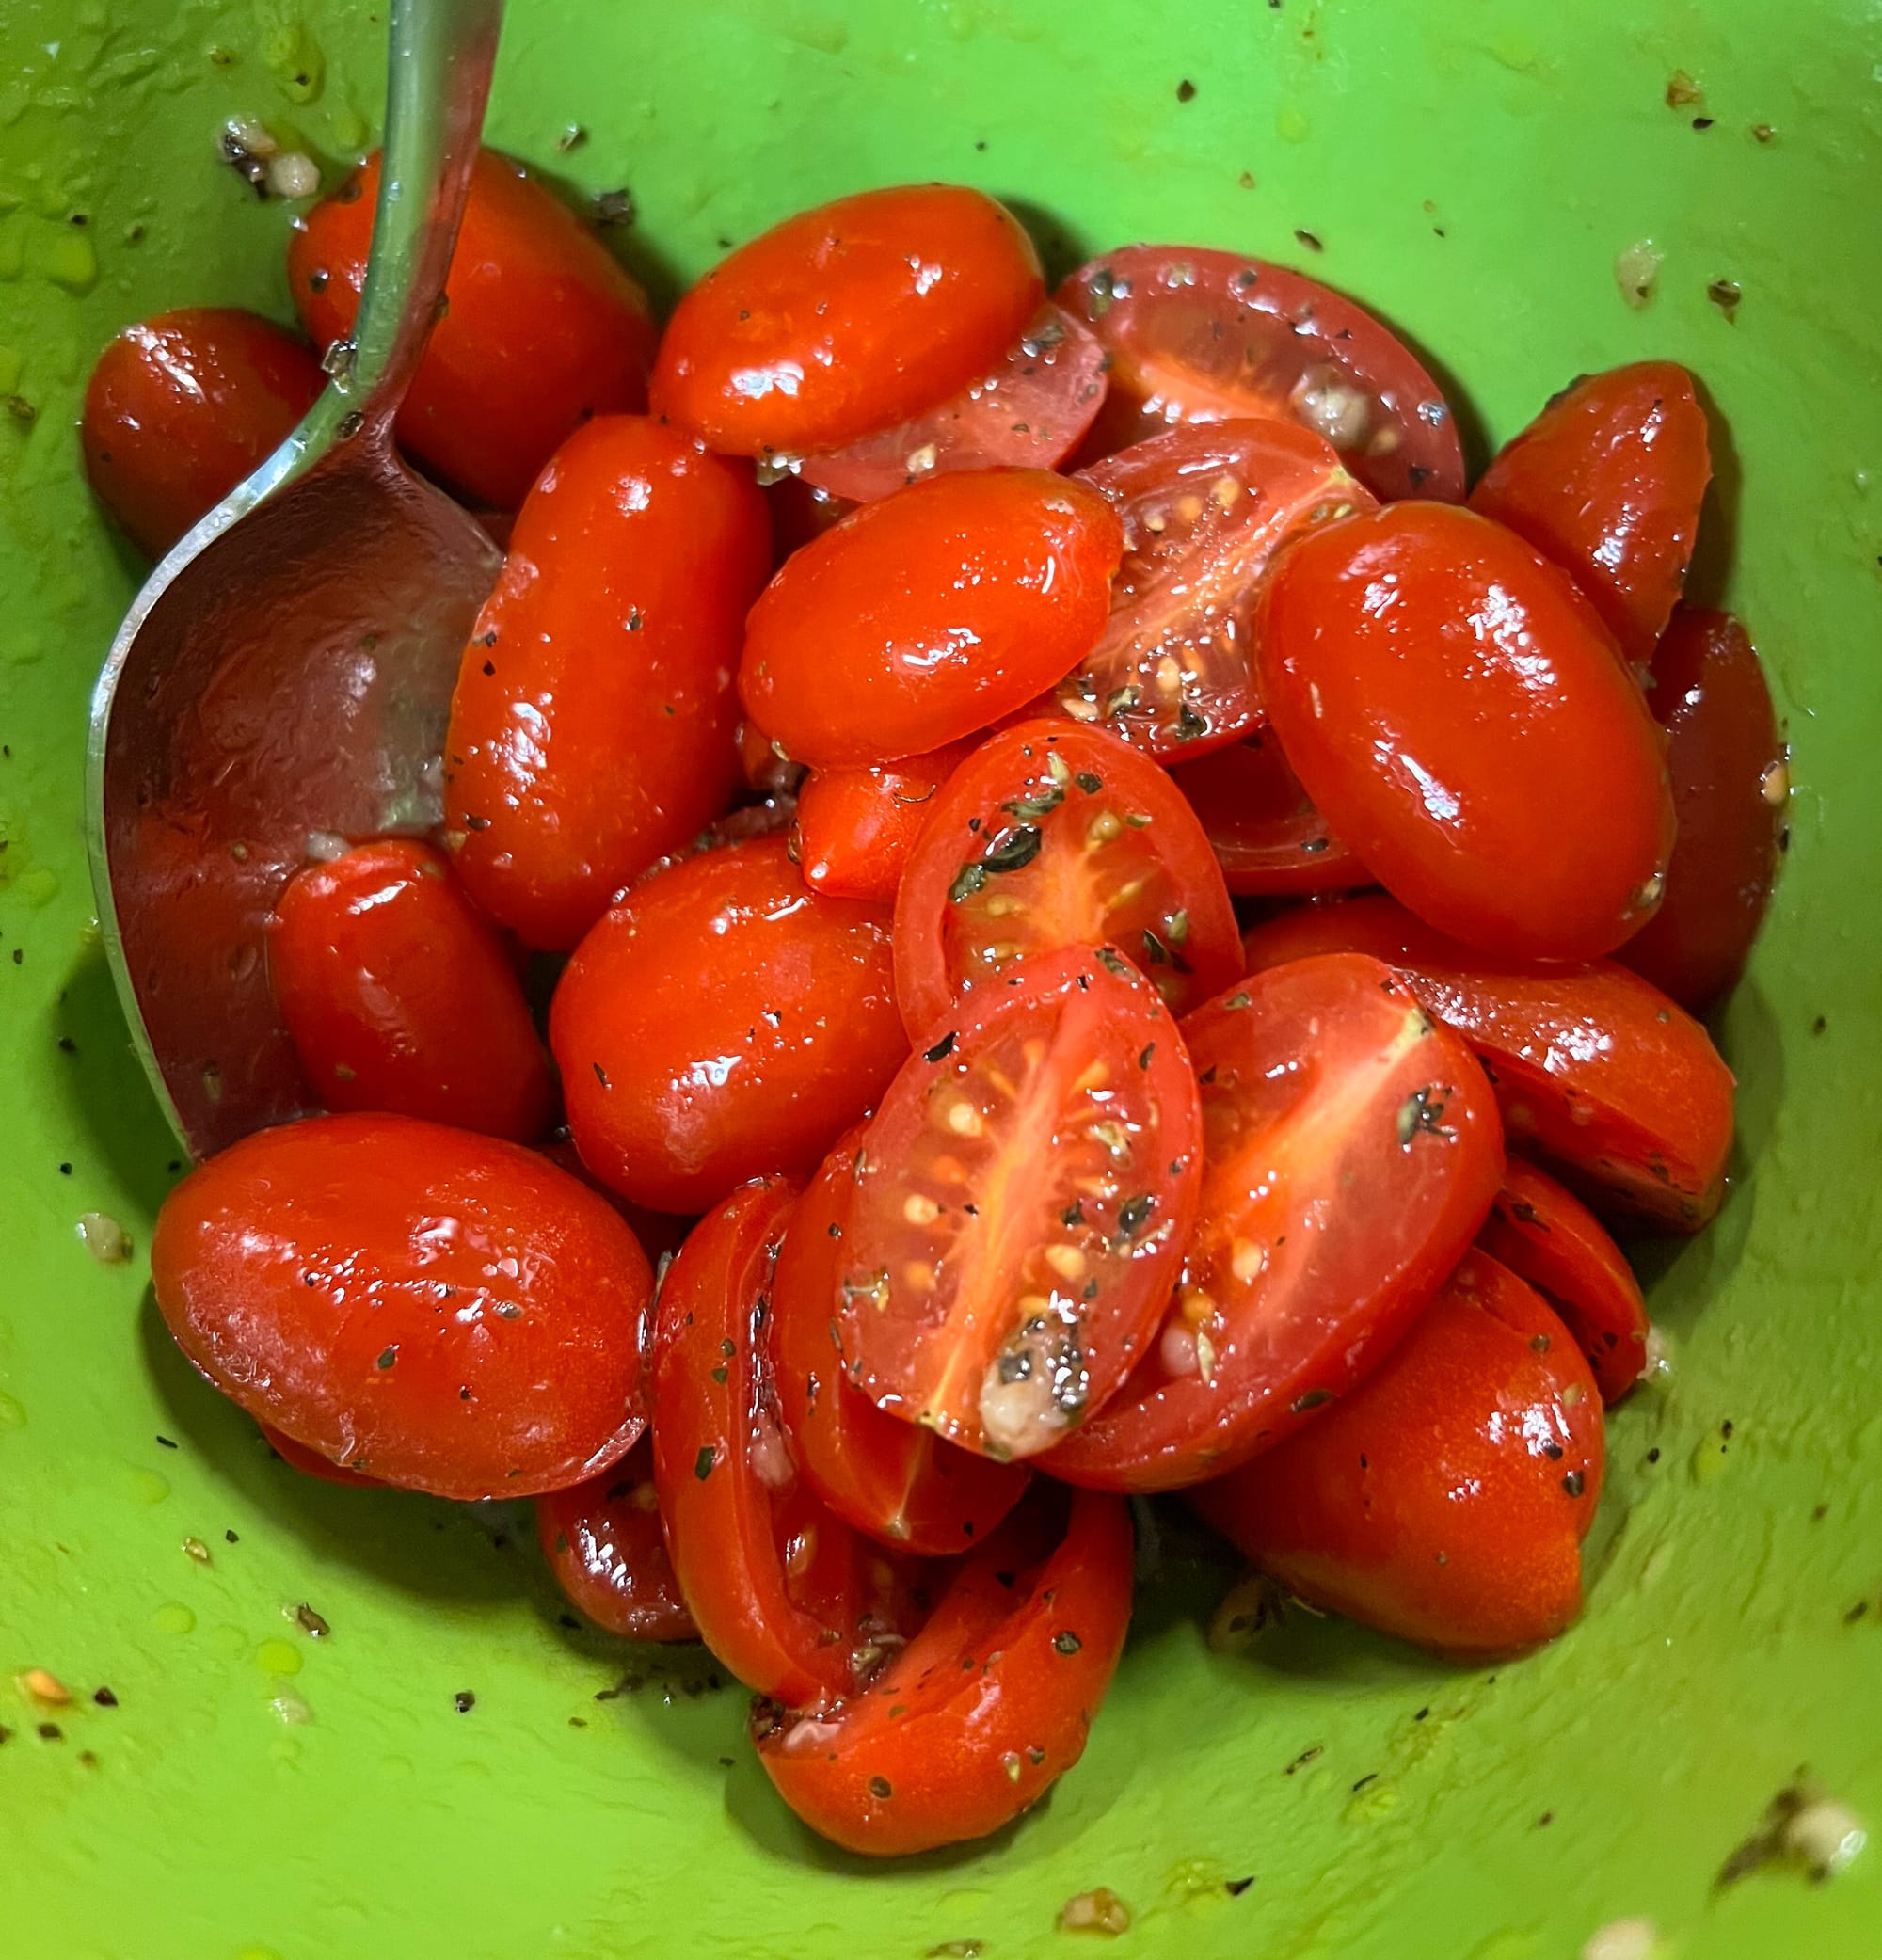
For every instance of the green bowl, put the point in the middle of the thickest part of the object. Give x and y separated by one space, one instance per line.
1472 170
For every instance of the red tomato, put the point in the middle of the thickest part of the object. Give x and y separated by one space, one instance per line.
924 616
1459 713
1351 1151
604 1543
1049 836
1269 839
399 997
856 827
1608 483
721 1021
1552 1241
1021 1202
1205 511
1445 1499
1206 336
900 1483
296 1455
592 729
659 1233
181 408
846 319
1731 787
1029 410
1592 1067
766 773
986 1707
541 329
447 1310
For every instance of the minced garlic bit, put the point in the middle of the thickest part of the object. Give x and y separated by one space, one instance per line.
39 1685
324 846
1636 269
1827 1835
1097 1911
1622 1939
103 1238
196 1548
1658 1364
293 176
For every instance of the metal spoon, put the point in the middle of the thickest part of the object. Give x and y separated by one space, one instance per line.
284 677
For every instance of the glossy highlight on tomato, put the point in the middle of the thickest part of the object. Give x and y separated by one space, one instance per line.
605 1544
1269 839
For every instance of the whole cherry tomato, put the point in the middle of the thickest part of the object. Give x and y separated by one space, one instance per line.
592 729
926 615
448 1312
1447 1498
541 329
846 320
1269 839
604 1542
660 1233
855 827
720 1022
1459 713
179 409
399 997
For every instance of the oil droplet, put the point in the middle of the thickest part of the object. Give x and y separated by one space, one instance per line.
146 1486
71 263
278 1657
1291 124
12 1414
173 1617
1708 1459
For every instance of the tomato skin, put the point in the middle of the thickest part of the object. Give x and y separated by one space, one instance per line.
605 1544
721 1021
1269 839
856 827
926 615
531 1380
181 407
1445 1500
1523 804
542 327
1606 483
592 728
846 319
1593 1068
296 1455
986 1707
399 997
1309 1075
1730 766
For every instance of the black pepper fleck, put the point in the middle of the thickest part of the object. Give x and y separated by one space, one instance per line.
105 1697
1186 90
463 1701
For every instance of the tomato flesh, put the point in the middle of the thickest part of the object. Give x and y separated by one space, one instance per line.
856 827
605 1544
1269 839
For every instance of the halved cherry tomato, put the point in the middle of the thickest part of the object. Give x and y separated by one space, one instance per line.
900 1483
446 1310
604 1542
179 409
928 614
541 326
400 997
1459 713
1029 410
1731 787
846 319
1269 839
856 827
1051 835
1204 513
1209 336
720 1022
1607 482
1592 1067
592 727
1352 1152
987 1706
1445 1499
1546 1236
296 1455
1022 1199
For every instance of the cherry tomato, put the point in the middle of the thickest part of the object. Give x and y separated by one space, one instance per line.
924 616
1021 1202
448 1312
660 1233
1207 336
1459 713
1731 787
592 729
846 319
1351 1151
181 408
1606 482
399 997
1549 1239
296 1455
541 327
1592 1067
900 1483
1204 513
604 1543
1029 410
1445 1499
856 827
722 1021
1269 839
1052 834
766 773
986 1707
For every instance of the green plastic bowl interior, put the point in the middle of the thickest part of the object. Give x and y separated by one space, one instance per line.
1473 171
